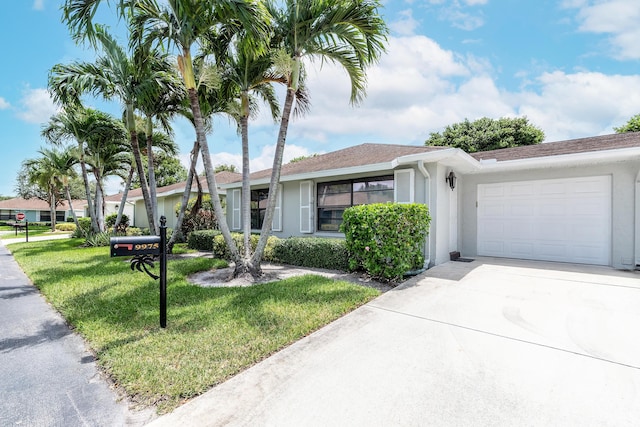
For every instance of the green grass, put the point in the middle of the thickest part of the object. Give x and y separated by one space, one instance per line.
34 230
211 334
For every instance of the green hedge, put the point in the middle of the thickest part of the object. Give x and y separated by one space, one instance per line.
65 226
202 240
315 252
386 240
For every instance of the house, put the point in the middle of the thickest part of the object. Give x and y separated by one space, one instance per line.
570 201
168 197
37 210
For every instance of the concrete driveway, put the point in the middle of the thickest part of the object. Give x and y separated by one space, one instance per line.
494 342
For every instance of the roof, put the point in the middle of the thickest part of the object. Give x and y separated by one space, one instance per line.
34 204
359 155
574 146
221 178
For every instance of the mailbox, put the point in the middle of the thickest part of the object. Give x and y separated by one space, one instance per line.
135 245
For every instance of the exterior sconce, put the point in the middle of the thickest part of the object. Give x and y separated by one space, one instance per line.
451 180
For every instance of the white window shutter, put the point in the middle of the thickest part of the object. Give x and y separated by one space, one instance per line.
276 223
306 207
236 203
403 187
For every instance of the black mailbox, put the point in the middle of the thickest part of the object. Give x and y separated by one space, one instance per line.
135 245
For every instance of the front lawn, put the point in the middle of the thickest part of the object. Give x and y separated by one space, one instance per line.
211 334
34 230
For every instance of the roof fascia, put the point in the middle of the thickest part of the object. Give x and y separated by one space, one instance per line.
318 174
563 159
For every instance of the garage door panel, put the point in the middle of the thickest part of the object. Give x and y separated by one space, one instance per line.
565 220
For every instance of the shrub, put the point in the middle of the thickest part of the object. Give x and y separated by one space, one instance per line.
202 240
386 240
315 252
221 250
84 229
110 221
203 219
133 231
65 226
98 239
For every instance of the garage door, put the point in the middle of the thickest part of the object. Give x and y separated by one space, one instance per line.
567 220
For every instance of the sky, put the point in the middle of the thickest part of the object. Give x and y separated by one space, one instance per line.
570 66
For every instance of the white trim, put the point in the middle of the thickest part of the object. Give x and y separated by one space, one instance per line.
396 184
236 203
637 225
306 210
276 223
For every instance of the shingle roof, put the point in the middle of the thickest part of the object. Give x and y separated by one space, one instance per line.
574 146
36 204
221 178
359 155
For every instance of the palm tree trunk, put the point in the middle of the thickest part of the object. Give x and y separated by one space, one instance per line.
143 181
87 188
52 207
275 179
185 197
99 202
211 179
246 188
123 201
152 173
73 213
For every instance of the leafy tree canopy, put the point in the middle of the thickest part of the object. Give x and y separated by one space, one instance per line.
226 168
299 158
633 125
168 170
488 134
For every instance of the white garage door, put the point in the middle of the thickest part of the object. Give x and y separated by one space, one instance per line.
567 220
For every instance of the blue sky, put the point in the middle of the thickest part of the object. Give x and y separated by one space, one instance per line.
570 66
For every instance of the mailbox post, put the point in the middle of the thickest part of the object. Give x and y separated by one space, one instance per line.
143 249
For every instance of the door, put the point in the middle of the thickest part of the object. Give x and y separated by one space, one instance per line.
567 220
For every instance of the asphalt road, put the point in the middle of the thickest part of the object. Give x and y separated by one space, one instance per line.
48 376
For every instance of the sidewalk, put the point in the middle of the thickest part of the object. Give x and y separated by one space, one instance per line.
48 375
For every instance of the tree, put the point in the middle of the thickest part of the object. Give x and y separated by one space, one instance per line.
488 134
79 124
226 168
50 174
300 158
168 170
184 23
633 125
349 33
131 79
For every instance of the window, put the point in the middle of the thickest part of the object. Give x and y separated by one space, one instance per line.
334 197
258 207
45 216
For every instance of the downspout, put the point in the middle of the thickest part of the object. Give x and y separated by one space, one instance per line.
427 185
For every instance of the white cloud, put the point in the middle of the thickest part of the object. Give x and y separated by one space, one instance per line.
4 104
36 106
617 18
38 4
419 88
406 25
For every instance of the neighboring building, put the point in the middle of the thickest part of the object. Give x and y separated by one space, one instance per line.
37 210
570 201
168 198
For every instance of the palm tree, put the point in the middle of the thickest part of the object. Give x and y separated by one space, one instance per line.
246 76
349 33
132 80
51 172
107 154
78 124
184 23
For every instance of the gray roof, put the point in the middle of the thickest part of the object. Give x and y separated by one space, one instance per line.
359 155
573 146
